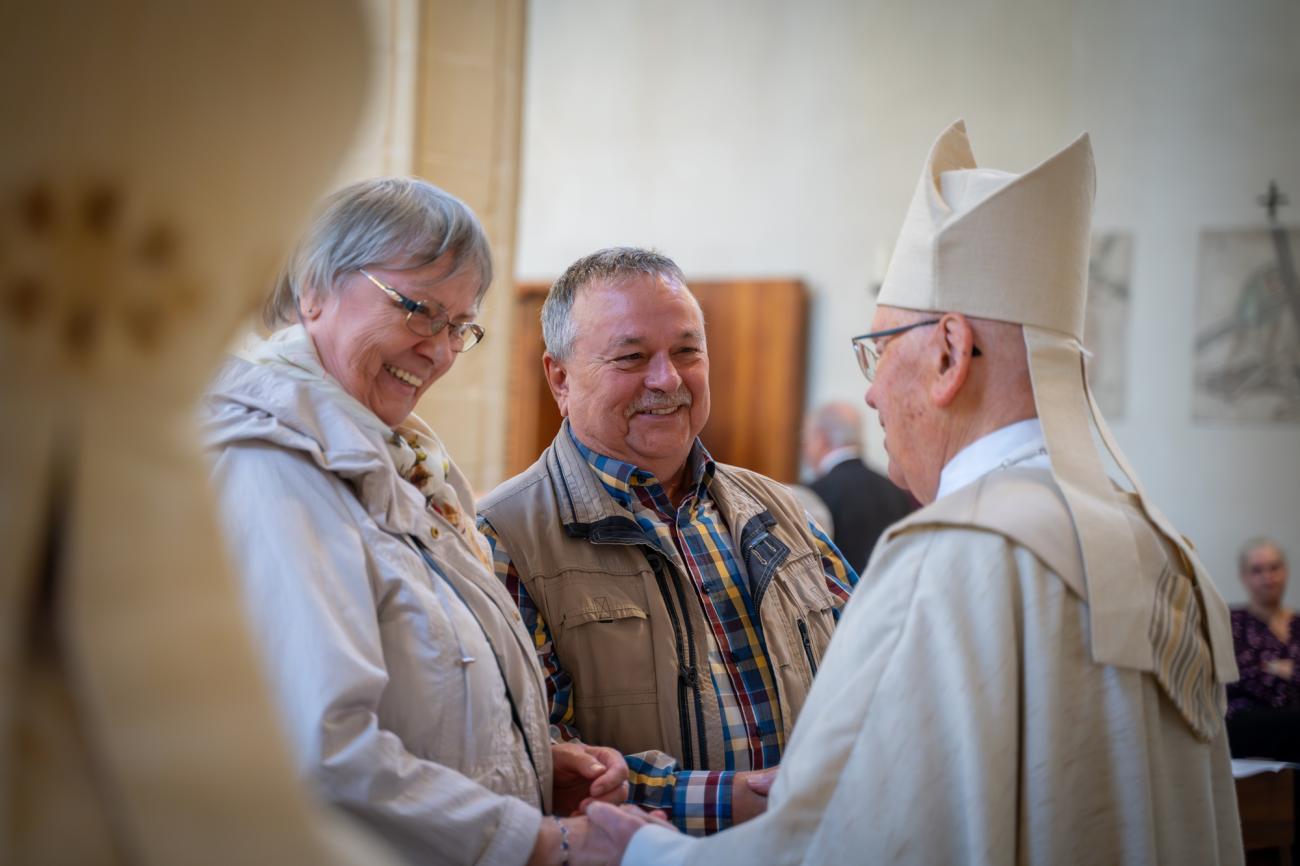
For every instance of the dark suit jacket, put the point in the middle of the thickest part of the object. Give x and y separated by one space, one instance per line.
862 504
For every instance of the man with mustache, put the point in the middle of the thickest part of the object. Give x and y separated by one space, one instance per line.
680 606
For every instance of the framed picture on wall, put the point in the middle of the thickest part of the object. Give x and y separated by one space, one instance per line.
1246 356
1105 333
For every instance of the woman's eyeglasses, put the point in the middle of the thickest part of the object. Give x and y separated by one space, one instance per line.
462 337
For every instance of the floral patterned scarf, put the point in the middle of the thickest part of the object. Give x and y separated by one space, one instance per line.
417 453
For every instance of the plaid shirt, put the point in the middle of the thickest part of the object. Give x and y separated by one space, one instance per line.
695 539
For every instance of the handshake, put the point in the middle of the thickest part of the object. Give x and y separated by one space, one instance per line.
591 789
598 837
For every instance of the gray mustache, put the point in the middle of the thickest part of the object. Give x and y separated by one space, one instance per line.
653 400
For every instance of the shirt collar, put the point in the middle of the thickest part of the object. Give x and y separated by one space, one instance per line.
618 477
835 457
1021 444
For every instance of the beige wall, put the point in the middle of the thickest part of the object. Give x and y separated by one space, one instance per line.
384 138
469 89
445 105
757 137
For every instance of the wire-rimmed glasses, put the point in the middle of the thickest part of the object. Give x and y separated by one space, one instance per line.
461 336
868 354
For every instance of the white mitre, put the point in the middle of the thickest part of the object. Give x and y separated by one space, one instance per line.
1014 248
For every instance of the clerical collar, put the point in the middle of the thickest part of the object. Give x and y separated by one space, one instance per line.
1018 444
835 457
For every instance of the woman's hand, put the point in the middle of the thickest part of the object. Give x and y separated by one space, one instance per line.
586 773
612 829
1283 668
557 841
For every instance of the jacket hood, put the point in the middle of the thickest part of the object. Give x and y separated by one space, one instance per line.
249 402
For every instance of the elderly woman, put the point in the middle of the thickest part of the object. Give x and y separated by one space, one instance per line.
1265 633
1264 705
410 689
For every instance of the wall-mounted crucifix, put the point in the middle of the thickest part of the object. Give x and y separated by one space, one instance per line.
1271 201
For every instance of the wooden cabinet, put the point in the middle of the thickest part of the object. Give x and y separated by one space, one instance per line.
757 340
532 416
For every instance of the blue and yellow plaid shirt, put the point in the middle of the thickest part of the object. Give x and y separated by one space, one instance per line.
695 539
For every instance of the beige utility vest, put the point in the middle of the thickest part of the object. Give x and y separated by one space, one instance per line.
628 625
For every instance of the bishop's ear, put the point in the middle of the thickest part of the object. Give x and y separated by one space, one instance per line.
957 349
558 380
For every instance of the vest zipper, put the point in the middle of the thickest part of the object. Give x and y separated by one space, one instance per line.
693 676
807 646
688 671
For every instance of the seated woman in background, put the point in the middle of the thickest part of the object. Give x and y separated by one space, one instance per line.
411 691
1264 705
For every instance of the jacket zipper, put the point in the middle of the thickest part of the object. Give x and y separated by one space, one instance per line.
684 673
807 646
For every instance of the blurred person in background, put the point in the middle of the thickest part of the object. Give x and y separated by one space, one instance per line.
862 502
409 687
1264 705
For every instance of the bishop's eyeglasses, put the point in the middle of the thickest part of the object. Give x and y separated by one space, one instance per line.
869 353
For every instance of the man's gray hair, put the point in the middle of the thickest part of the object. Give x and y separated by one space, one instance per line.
375 222
610 265
840 423
1253 544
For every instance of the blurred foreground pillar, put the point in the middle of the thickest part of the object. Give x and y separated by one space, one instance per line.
157 157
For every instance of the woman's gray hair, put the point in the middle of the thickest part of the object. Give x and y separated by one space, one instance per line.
610 265
1254 544
379 222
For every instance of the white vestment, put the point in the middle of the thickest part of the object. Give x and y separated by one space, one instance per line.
958 718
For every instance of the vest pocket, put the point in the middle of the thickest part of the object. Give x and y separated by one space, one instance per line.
602 611
807 646
813 628
604 642
809 611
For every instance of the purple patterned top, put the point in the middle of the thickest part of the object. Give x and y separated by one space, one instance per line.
1256 644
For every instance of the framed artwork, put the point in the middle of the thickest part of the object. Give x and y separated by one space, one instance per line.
1246 355
1105 333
